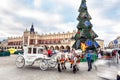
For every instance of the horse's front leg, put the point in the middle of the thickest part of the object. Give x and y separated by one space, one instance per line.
64 65
74 69
59 64
59 69
70 65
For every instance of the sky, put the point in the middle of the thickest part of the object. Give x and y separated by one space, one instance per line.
53 16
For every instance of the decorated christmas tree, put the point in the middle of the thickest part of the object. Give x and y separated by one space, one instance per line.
85 36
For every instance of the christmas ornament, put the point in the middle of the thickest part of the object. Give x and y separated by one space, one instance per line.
83 46
84 5
78 32
89 42
83 14
77 44
87 23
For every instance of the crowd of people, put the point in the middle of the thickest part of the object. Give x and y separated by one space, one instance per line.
49 52
108 54
88 55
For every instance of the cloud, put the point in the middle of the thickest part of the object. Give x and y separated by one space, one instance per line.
12 21
41 16
58 16
65 27
103 15
72 3
37 3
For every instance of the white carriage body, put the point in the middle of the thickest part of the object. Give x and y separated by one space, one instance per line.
32 53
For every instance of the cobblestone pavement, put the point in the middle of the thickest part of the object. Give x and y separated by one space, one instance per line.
9 71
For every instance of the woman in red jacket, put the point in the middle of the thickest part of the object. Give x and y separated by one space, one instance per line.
49 53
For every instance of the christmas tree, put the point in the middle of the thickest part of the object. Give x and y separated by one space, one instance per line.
85 36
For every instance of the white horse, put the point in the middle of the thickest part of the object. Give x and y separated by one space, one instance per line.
73 58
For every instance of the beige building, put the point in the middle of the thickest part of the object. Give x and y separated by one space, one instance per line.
101 43
113 45
56 40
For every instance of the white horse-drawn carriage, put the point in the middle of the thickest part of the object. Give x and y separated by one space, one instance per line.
32 54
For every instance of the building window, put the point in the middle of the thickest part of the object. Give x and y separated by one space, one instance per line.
40 51
29 50
32 41
34 50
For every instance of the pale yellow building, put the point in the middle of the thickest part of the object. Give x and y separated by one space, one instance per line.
112 44
101 43
56 40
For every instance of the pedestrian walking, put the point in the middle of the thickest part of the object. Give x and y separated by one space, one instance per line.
89 59
99 56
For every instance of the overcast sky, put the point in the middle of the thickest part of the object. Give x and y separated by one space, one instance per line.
49 16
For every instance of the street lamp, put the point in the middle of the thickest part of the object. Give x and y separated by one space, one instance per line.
117 48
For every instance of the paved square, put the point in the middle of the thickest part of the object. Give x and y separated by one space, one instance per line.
9 71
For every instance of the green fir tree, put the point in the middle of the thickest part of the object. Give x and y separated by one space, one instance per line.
85 36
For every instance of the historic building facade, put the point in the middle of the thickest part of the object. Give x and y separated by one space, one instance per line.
101 43
56 40
115 43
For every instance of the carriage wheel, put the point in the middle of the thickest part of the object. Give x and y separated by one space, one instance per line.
53 64
43 65
20 61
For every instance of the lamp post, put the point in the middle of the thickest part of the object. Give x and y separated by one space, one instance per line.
116 47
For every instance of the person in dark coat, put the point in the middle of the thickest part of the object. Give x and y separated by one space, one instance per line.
89 59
